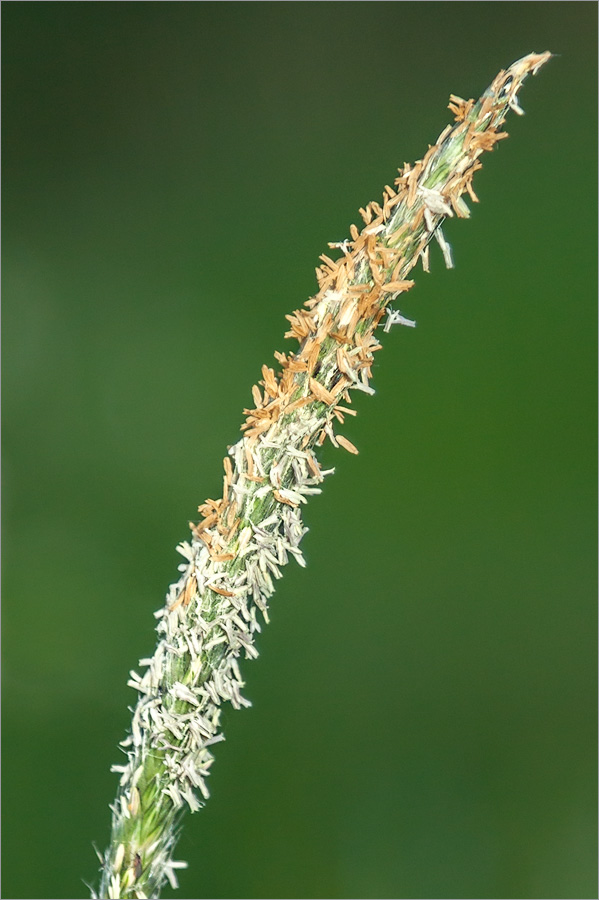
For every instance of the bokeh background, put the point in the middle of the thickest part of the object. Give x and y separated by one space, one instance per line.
424 703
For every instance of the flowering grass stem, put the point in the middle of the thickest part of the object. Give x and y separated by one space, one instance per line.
238 549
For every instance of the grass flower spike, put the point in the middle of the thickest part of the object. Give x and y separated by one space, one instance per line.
244 539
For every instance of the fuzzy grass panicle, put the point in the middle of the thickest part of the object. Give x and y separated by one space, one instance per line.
237 551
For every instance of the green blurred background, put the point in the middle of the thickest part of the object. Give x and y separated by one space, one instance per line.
424 702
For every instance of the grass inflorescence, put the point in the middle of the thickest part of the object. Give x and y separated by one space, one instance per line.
237 550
